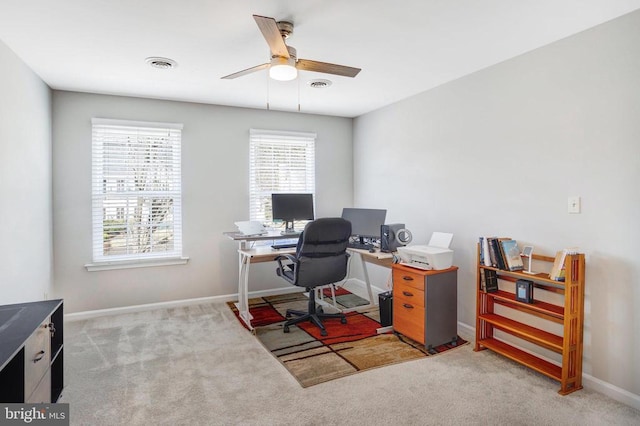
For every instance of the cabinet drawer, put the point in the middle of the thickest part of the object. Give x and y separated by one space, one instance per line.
408 320
410 279
42 393
408 294
36 357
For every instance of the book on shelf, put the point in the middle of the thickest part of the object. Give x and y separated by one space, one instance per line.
497 254
558 272
490 281
512 255
485 249
502 261
493 251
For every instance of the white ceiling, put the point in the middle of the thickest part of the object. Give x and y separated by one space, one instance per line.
403 47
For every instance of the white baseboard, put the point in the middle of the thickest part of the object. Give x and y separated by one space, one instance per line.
588 381
78 316
466 329
612 391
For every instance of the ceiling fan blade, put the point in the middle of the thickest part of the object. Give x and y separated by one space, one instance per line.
308 65
247 71
271 33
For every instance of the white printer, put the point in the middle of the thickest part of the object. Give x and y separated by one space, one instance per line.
435 255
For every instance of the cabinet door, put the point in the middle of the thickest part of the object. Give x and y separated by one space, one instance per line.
36 357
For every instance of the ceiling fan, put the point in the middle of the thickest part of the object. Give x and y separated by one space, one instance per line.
284 64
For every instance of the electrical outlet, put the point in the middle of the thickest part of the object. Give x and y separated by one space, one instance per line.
574 204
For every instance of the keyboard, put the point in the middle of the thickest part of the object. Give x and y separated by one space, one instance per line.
360 246
284 246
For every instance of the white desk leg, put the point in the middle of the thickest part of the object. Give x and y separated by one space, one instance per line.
243 291
367 281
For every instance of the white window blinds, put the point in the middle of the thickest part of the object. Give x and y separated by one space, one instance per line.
136 190
281 162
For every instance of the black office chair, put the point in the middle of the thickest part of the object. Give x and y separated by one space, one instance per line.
320 259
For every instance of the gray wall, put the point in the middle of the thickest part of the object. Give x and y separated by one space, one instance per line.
499 151
215 156
25 182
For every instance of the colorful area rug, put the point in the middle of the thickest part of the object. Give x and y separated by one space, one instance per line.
347 349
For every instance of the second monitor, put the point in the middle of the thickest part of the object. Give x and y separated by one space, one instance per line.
365 225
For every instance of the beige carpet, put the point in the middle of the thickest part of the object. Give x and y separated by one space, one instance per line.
198 366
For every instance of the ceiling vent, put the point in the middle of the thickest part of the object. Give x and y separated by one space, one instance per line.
319 84
161 63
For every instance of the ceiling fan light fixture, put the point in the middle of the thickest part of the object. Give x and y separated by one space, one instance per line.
283 69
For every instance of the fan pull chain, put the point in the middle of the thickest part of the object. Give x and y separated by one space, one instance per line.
298 92
267 74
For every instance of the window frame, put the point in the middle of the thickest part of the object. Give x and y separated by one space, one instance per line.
101 129
282 141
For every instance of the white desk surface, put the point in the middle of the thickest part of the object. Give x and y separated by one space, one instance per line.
376 255
270 235
267 251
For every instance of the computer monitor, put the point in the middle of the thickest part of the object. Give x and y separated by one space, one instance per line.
290 207
365 223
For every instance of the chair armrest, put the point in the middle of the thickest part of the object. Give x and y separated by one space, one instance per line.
289 257
281 266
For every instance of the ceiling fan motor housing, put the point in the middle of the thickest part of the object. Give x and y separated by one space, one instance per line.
286 28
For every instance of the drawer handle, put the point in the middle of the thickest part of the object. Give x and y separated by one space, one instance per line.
408 294
406 278
41 353
408 306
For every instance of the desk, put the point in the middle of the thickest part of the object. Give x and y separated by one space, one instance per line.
247 256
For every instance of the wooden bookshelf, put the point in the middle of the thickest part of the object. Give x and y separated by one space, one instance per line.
570 315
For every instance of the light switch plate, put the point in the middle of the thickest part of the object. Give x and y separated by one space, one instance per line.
574 204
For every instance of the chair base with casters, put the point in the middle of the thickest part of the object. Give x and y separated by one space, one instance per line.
315 315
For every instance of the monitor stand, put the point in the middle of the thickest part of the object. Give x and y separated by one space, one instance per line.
288 228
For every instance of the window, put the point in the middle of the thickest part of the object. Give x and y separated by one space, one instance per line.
282 162
136 191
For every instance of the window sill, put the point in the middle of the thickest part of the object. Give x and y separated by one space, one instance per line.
142 263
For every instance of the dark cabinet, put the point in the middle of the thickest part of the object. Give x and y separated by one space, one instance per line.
31 352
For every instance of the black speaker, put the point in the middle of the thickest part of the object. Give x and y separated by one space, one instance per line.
389 241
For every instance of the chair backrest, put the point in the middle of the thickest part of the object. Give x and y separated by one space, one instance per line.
322 252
